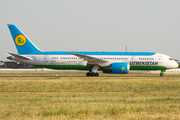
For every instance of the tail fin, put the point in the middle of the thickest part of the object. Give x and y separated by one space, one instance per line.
22 42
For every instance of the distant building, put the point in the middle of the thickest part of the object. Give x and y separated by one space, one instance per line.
1 64
21 65
14 64
10 64
178 61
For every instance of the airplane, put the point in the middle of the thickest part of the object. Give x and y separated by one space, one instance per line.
107 62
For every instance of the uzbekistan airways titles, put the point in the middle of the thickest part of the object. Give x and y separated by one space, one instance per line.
143 63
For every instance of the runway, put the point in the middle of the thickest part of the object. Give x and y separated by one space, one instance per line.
81 76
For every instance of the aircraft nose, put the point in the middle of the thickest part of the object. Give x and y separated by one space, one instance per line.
175 64
172 64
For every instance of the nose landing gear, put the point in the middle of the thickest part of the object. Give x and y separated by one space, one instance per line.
162 74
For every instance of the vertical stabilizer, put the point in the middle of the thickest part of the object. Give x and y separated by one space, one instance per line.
22 42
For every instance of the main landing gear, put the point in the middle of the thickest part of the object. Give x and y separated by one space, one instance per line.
93 72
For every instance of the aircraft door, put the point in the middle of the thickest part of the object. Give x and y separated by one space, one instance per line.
160 58
133 58
46 58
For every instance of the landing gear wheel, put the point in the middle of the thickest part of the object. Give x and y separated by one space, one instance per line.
88 74
92 74
96 74
161 74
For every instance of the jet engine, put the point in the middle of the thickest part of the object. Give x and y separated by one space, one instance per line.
118 68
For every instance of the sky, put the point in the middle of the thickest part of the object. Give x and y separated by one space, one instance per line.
93 25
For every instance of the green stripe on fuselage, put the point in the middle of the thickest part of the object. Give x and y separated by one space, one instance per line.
147 68
80 67
66 67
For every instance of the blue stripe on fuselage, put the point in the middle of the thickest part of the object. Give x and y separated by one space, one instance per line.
93 53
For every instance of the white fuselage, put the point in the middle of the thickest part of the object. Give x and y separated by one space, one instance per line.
153 60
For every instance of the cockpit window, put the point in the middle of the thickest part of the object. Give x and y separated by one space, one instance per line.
170 59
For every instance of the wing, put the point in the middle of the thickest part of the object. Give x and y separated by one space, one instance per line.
92 60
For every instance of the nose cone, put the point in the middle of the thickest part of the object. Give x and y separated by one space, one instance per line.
174 64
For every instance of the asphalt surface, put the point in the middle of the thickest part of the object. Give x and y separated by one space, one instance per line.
80 76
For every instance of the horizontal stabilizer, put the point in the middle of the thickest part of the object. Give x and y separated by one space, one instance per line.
20 56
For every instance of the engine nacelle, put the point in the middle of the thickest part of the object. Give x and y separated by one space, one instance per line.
118 68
